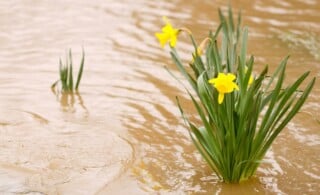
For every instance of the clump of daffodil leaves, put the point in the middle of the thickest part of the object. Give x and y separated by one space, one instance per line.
241 114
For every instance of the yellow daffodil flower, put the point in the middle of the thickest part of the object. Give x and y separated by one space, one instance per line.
224 83
168 34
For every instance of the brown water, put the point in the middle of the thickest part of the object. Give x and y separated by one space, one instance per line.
123 132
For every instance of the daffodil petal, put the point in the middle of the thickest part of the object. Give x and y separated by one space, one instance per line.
163 38
231 76
165 19
173 41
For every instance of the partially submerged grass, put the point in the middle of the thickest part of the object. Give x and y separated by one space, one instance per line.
66 74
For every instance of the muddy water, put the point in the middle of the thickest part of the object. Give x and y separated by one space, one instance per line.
123 133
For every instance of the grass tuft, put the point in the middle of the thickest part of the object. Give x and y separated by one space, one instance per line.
66 74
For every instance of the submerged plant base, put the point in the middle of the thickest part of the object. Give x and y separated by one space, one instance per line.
238 172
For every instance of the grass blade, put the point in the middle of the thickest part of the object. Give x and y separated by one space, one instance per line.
80 70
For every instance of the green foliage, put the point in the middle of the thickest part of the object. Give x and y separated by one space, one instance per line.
235 135
66 74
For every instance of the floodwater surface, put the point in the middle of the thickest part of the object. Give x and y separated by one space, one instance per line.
122 133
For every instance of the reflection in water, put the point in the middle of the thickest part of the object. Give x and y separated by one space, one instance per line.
38 117
45 147
68 99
